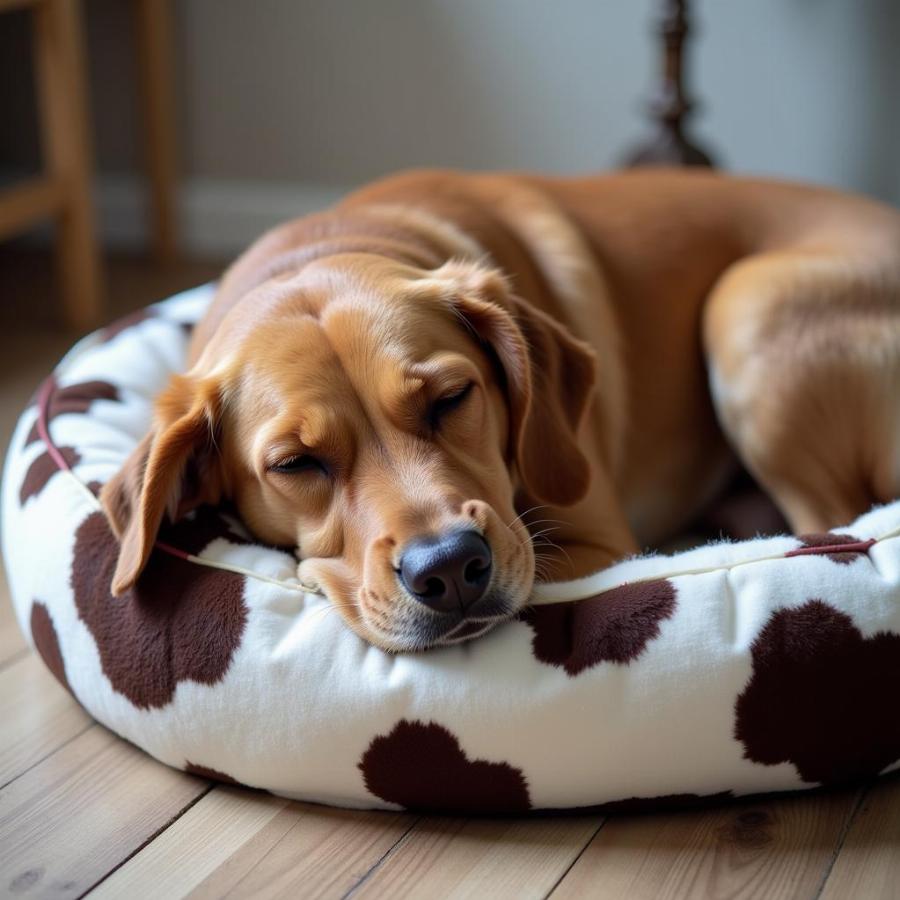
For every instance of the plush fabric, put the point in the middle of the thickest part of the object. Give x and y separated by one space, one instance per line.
731 669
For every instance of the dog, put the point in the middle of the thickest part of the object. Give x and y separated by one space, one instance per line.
416 387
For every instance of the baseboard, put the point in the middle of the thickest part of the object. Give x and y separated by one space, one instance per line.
216 217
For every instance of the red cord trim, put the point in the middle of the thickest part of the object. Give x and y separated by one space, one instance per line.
828 549
43 407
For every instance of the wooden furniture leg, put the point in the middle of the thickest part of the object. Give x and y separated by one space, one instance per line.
671 106
153 34
62 101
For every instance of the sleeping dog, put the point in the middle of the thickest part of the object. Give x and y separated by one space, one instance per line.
450 384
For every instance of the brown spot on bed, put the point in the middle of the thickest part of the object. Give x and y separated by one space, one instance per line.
422 766
76 398
819 696
615 626
46 642
42 470
181 622
840 548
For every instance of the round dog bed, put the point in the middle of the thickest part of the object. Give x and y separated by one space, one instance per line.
731 669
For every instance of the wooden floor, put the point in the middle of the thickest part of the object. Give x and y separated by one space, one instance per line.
83 812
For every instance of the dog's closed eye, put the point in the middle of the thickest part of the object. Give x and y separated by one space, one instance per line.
445 405
303 462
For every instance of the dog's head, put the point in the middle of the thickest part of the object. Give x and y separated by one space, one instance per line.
381 419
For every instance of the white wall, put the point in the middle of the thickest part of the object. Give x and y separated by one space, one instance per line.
806 88
342 90
286 102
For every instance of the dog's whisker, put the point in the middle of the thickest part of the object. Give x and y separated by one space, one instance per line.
548 522
546 542
321 613
521 516
541 534
550 528
541 567
331 608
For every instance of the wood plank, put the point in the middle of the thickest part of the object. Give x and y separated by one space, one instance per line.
12 643
68 821
66 143
28 203
493 858
773 849
38 716
869 862
249 844
156 59
201 841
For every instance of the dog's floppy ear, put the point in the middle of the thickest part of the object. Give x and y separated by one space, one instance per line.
549 374
174 469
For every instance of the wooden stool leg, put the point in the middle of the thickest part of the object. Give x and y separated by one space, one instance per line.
154 41
65 127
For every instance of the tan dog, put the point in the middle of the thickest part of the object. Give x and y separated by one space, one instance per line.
405 386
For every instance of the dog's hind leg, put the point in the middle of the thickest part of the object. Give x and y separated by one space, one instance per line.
804 361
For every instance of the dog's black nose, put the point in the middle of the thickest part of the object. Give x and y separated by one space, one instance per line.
448 572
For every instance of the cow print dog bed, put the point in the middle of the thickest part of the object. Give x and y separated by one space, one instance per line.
732 669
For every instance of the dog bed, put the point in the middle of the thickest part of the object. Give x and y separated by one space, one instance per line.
731 669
